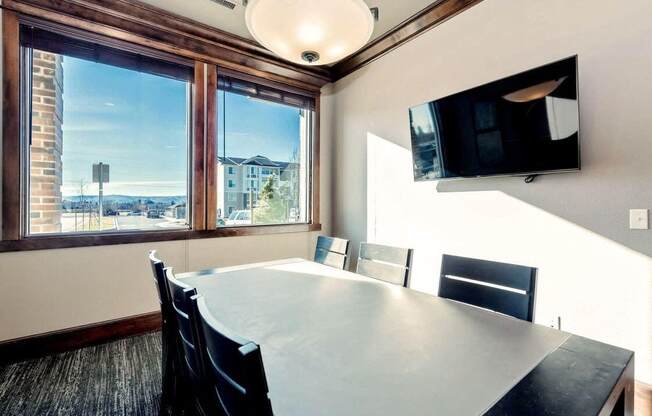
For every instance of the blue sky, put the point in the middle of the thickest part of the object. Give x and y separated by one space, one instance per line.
255 128
137 123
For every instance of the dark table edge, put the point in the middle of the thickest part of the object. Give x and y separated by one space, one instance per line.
620 400
624 387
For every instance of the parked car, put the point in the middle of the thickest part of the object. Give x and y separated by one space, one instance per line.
239 217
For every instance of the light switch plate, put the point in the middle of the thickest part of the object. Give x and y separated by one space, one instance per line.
638 219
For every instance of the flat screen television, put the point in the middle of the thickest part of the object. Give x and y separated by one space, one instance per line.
525 124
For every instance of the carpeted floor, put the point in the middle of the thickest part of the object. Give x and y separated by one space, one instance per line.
114 379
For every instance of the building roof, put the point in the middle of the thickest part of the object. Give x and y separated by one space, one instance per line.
257 160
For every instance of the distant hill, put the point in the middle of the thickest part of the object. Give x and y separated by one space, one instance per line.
122 199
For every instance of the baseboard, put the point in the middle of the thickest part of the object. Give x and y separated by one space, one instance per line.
72 338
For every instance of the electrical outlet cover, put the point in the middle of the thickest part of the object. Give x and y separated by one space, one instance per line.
638 219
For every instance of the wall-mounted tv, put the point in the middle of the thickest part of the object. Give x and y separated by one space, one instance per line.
522 125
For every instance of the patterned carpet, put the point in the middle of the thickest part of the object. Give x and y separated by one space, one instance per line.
118 378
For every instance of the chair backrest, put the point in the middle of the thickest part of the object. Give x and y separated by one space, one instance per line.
332 251
160 283
390 264
500 287
184 312
234 365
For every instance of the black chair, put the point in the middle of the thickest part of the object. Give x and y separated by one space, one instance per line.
234 367
500 287
332 251
389 264
196 393
169 359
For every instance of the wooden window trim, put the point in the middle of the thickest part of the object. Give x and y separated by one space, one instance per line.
211 147
198 174
315 178
204 182
86 240
313 214
11 219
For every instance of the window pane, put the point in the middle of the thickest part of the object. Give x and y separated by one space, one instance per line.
85 113
263 150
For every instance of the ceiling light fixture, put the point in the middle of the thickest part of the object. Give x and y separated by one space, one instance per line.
310 32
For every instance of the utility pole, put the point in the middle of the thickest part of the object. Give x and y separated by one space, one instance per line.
101 196
101 175
81 203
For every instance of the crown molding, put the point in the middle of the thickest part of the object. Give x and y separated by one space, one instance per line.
145 25
433 15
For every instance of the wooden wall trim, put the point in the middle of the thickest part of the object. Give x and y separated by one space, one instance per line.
78 337
433 15
199 147
10 128
211 148
135 22
136 237
315 180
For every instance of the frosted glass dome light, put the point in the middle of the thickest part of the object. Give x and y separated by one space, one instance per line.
310 32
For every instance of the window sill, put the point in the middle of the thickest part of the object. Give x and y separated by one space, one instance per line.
87 240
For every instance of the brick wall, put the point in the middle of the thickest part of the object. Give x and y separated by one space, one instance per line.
47 143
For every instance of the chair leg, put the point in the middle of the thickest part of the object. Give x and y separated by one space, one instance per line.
170 394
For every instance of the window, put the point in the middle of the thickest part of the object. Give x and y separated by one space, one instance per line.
107 148
271 130
98 142
251 172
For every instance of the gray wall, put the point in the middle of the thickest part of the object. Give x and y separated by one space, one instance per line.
594 272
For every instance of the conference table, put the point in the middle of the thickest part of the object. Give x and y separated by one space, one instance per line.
337 343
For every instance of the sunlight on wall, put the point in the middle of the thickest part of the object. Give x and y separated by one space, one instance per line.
598 287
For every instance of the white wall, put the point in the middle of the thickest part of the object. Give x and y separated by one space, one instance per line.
593 271
49 290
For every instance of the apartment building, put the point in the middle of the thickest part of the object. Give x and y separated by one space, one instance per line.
244 178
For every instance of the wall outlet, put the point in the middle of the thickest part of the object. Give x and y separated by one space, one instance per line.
638 219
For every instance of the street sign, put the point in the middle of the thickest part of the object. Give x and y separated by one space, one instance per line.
101 176
100 173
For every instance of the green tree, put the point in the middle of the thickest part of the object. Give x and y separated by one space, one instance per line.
289 186
271 207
